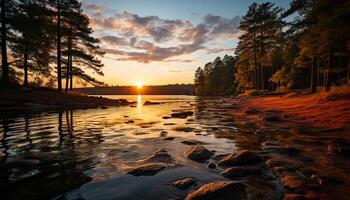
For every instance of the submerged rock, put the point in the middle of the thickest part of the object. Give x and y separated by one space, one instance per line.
149 169
219 190
147 103
198 153
159 156
250 124
184 183
272 118
191 142
184 129
244 157
184 114
240 172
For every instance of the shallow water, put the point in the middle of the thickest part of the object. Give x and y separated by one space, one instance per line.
85 154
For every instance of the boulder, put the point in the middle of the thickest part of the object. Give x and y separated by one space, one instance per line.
198 153
183 115
244 157
184 183
211 165
240 172
148 169
219 190
292 182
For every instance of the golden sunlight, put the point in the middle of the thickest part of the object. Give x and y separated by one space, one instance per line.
139 84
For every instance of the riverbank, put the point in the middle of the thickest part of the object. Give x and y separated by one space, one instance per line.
41 99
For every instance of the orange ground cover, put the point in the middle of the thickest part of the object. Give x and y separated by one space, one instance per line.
311 109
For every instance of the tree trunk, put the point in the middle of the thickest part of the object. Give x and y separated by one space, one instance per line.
69 61
313 83
256 78
59 67
25 65
4 62
330 60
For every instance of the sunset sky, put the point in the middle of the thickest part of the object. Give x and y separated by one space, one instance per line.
162 41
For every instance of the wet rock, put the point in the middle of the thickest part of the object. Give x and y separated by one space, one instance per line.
184 129
266 130
244 157
130 122
163 134
166 117
169 124
211 165
147 103
192 142
169 138
250 124
252 111
184 183
292 182
340 147
294 197
240 172
183 115
148 169
272 118
160 156
198 153
219 190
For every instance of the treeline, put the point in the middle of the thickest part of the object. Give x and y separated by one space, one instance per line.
304 46
47 40
173 89
216 78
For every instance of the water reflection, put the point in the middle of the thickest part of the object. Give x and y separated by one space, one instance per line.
58 154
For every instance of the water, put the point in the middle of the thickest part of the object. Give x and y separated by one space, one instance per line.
85 154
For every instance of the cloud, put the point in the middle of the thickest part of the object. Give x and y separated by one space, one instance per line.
130 37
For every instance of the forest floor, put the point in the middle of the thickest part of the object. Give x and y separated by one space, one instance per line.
318 110
42 99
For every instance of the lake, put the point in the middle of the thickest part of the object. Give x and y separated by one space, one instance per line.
86 154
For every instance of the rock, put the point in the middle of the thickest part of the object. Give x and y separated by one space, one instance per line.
184 114
191 142
244 157
130 122
160 156
184 129
23 163
250 124
252 111
184 183
292 182
163 134
340 147
103 107
272 118
166 117
198 153
279 165
294 197
147 103
211 165
149 169
265 130
169 124
240 172
169 138
219 190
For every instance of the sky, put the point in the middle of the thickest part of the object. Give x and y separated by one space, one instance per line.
161 42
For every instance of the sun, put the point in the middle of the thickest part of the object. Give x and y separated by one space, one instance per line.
139 84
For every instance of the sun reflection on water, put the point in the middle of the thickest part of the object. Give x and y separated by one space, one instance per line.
139 100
